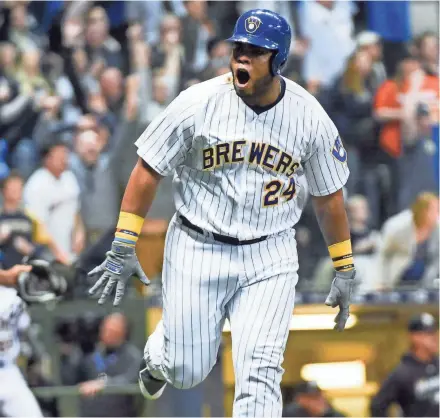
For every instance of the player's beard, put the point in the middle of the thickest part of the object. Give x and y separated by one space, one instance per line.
257 89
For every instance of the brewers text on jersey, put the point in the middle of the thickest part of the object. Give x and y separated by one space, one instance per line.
219 146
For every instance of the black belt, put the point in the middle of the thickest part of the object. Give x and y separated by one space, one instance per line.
221 238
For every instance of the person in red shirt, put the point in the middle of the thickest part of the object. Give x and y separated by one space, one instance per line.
397 99
395 109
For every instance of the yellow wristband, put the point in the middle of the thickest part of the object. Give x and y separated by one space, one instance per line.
129 228
342 256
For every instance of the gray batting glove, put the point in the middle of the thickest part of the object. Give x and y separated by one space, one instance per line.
340 295
120 264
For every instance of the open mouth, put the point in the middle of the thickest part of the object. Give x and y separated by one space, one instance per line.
242 76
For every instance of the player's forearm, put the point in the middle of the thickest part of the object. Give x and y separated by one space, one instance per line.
140 190
137 200
332 219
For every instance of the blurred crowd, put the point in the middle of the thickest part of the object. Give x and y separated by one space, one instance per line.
79 82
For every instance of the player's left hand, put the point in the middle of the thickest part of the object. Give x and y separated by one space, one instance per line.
340 295
120 264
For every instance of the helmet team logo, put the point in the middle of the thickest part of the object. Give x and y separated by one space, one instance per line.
251 24
338 151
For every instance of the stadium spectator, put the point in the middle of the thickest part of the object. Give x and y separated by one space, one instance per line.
349 103
102 50
418 150
80 76
414 383
168 56
410 245
29 74
111 84
69 111
21 233
327 26
22 30
18 114
99 192
53 195
427 49
149 15
417 87
114 362
48 124
309 401
197 29
370 43
31 82
395 109
8 58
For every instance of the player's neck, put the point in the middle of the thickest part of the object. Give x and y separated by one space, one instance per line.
267 98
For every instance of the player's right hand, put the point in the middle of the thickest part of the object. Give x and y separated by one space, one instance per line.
340 295
120 264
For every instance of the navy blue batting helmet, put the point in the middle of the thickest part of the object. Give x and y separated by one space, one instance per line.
266 29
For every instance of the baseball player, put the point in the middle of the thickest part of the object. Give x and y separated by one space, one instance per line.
241 149
16 399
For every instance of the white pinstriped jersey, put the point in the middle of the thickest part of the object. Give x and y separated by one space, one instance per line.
239 172
13 319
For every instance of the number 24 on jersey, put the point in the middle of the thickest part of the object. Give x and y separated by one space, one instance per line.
274 191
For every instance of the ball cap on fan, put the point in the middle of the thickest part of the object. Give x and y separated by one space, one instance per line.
423 322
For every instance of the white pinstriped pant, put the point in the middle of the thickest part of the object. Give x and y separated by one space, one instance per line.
205 282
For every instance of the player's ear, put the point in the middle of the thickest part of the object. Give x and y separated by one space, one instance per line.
272 57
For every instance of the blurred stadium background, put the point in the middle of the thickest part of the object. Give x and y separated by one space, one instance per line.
79 81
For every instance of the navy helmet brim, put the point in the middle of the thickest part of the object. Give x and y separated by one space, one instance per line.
255 40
